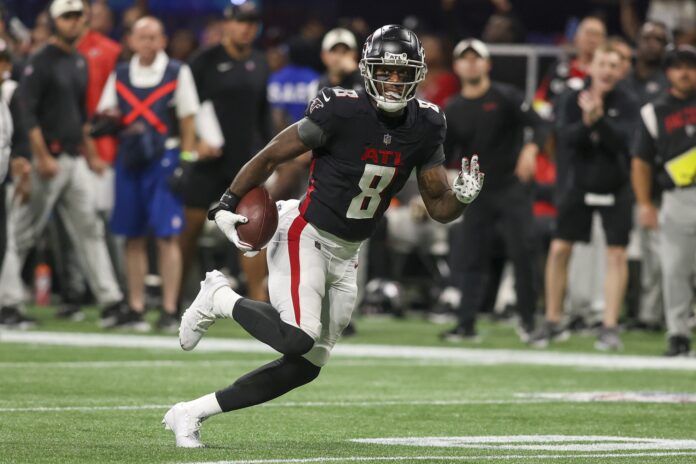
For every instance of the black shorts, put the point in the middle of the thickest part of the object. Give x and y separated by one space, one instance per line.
205 183
574 222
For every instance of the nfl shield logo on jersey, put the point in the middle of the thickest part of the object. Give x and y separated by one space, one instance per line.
387 139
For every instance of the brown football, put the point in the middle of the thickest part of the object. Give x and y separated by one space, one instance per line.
258 206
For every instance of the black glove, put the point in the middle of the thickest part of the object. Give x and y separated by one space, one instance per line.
228 202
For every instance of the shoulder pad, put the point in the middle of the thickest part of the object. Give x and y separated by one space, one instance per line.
345 102
431 112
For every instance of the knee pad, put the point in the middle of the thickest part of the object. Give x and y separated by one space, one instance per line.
296 341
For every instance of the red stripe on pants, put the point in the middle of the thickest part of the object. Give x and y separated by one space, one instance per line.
294 234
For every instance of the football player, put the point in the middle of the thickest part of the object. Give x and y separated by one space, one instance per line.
365 145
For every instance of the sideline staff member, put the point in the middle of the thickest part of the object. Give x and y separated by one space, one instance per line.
489 118
594 128
52 97
233 76
667 144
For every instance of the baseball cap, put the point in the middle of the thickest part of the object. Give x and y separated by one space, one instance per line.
681 54
471 44
338 36
245 11
61 7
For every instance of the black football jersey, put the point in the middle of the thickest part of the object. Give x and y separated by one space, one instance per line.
366 159
668 131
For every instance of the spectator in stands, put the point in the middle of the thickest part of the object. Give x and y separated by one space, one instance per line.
647 79
183 45
339 53
440 83
41 32
308 43
566 73
212 34
289 90
666 146
144 91
594 127
233 77
679 16
489 118
503 28
101 18
128 18
53 97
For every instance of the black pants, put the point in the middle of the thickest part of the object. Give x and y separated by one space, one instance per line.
505 213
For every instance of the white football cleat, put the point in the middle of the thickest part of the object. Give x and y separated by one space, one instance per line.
199 316
186 428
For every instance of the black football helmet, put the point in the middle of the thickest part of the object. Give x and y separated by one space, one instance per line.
396 46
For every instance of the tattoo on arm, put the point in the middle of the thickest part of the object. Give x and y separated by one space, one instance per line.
439 199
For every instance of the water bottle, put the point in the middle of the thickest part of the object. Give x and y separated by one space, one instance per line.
42 285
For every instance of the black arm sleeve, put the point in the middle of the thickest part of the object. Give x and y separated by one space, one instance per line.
311 135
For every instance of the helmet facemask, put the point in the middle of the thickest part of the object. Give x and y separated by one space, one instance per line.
392 96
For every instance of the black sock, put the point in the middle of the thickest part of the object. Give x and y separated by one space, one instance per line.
267 382
263 322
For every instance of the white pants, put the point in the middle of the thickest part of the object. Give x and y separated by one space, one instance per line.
312 279
678 257
70 193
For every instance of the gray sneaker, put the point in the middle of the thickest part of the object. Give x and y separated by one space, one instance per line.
548 332
608 340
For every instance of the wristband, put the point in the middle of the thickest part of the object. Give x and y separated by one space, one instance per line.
228 202
189 156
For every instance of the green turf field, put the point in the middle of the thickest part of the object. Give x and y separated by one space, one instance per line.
97 404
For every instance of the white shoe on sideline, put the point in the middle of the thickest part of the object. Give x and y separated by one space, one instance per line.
186 428
199 316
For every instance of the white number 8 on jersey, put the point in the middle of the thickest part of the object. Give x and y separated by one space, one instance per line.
372 183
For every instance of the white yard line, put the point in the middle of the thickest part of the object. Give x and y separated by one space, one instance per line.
463 355
87 408
552 443
344 404
286 404
343 362
487 457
